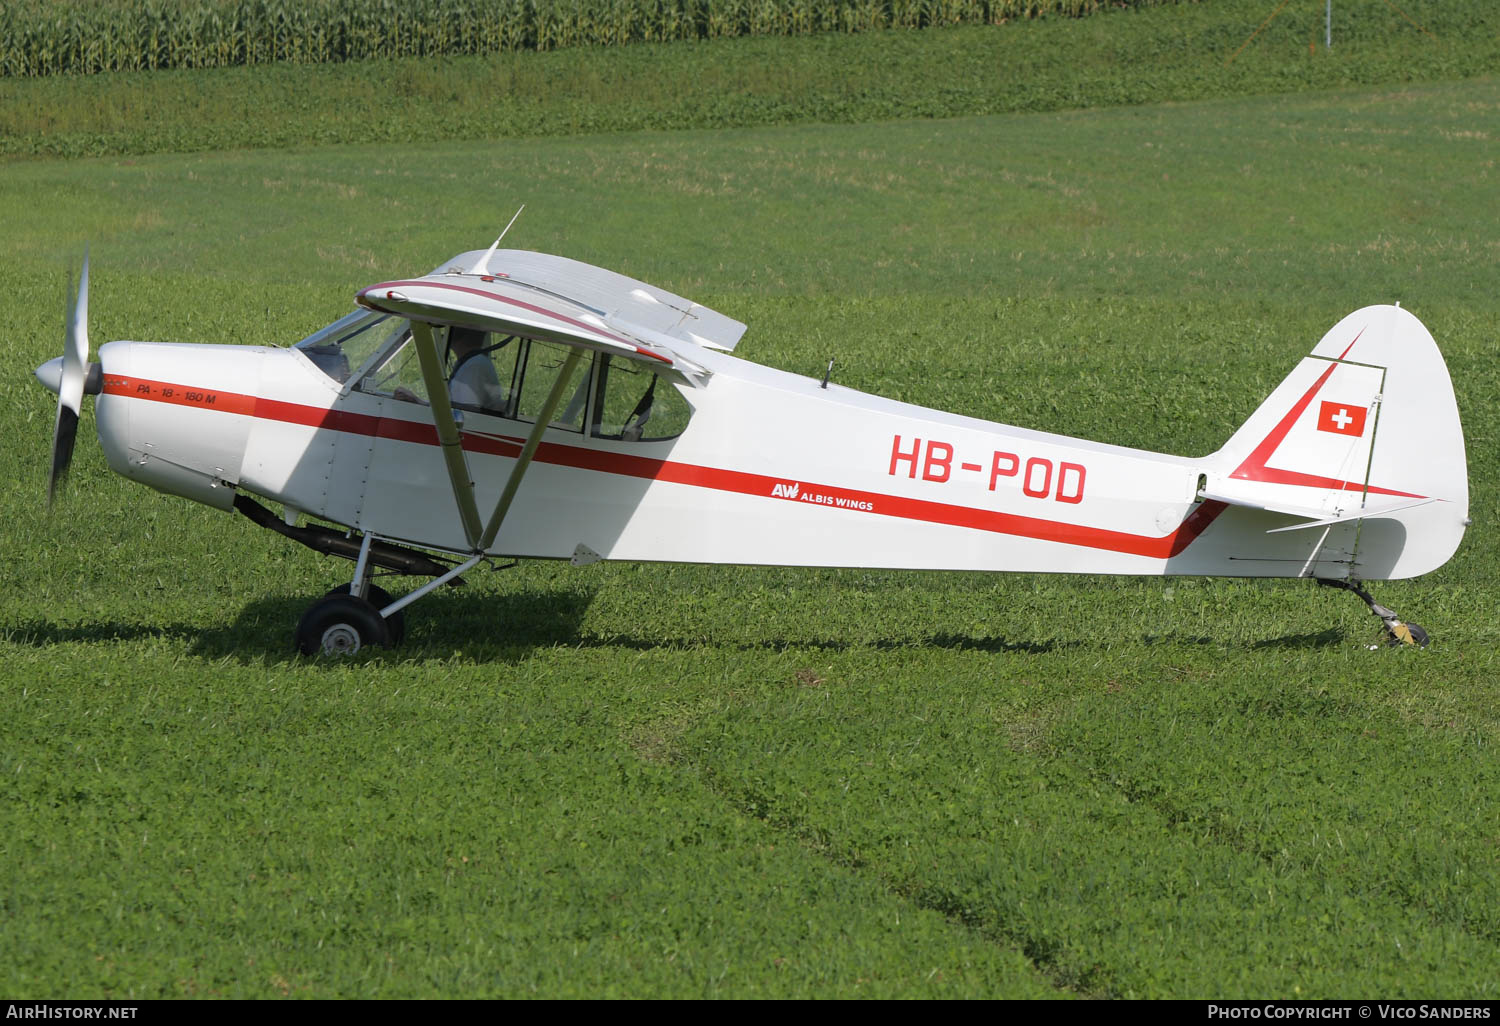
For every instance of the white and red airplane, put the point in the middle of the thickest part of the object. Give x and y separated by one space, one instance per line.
638 437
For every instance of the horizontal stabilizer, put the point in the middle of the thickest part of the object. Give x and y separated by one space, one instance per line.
1251 502
1319 517
1367 513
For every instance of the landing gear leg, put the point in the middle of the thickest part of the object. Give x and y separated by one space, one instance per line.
348 618
1397 631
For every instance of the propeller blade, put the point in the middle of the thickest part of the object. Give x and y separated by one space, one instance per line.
78 327
70 384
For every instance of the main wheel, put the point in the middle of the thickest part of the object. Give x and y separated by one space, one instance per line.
340 625
395 624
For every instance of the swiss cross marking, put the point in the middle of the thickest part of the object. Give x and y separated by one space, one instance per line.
1342 419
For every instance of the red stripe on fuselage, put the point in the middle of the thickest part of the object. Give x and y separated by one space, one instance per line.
694 475
720 479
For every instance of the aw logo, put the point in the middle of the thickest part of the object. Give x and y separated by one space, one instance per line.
785 491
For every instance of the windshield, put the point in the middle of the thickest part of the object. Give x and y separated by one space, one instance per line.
346 344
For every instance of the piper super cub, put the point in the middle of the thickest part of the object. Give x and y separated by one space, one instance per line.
514 404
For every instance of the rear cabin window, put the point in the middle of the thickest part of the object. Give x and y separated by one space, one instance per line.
633 404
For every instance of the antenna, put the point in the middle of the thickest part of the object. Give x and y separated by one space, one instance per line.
483 267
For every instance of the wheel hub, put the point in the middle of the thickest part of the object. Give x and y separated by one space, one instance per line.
341 639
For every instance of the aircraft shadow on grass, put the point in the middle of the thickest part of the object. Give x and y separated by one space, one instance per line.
1331 637
494 628
44 634
949 641
503 628
508 628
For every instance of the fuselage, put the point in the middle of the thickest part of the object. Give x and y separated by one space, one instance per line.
771 468
662 446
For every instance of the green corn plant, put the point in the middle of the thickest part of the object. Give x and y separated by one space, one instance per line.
48 37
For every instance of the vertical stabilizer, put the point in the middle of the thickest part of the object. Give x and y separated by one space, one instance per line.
1363 435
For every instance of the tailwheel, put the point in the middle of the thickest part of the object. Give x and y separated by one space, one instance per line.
1398 632
395 624
1404 632
341 625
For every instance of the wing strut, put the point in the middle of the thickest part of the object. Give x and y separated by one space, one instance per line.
448 436
543 418
452 442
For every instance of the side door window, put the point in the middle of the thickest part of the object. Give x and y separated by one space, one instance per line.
544 361
480 369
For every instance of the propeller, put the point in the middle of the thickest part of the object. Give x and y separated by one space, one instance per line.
70 380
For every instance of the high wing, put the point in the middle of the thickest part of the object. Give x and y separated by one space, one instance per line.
557 300
551 299
624 302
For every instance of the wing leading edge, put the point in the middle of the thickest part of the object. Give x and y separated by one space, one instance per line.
647 325
624 302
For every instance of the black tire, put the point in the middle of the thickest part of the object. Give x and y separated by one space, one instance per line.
395 624
341 625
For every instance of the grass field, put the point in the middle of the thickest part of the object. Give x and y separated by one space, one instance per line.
685 781
1175 53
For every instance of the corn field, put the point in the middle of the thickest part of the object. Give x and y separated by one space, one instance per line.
56 37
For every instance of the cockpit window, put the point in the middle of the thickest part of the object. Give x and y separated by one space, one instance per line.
504 376
346 344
